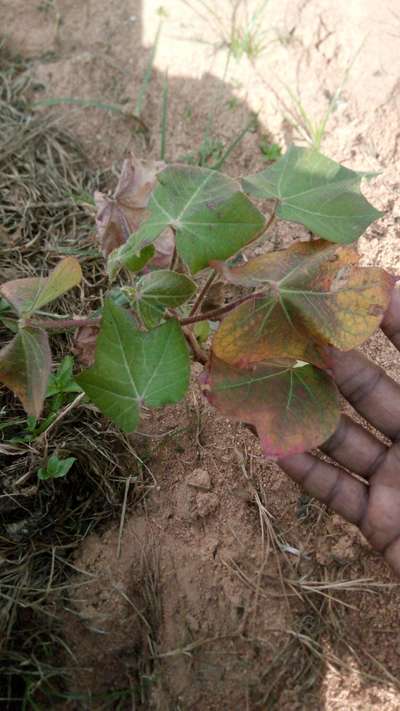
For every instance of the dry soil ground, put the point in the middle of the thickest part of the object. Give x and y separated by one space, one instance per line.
227 589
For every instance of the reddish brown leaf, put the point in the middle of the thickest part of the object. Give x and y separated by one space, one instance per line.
120 215
84 344
25 365
292 405
164 247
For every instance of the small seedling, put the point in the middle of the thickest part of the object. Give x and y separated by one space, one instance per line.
270 151
55 468
268 363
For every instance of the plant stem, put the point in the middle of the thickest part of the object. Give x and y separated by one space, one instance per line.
270 220
202 293
198 352
174 259
63 323
216 314
224 309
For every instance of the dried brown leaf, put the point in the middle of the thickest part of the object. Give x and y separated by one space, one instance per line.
84 344
120 215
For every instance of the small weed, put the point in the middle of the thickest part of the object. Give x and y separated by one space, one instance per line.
248 37
55 467
233 103
188 113
245 35
210 151
311 130
270 151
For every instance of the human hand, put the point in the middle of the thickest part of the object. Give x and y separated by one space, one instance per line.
373 505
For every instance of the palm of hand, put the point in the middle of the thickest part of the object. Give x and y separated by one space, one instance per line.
371 500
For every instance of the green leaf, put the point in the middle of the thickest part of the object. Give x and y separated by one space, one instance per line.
292 405
161 289
133 369
202 330
56 467
317 192
211 217
62 381
136 262
30 295
25 365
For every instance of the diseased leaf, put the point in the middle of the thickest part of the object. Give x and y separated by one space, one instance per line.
164 247
120 215
308 295
84 343
161 289
292 405
317 192
211 217
133 369
31 294
260 329
25 365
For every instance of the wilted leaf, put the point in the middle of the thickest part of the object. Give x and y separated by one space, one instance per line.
25 365
211 217
31 294
84 344
321 194
215 297
112 229
120 216
161 289
134 369
312 293
292 405
164 247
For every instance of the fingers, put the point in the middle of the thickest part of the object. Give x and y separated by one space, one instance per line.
391 320
355 448
367 387
392 555
331 485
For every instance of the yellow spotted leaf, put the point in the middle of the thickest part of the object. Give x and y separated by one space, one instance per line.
307 296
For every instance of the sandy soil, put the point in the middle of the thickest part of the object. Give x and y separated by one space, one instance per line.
213 596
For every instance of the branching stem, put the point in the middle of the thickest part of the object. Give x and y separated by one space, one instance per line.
216 314
199 354
202 294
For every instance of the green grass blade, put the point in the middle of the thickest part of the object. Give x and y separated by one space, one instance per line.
218 165
82 103
164 119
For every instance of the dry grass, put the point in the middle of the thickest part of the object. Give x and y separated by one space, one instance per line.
44 182
317 637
